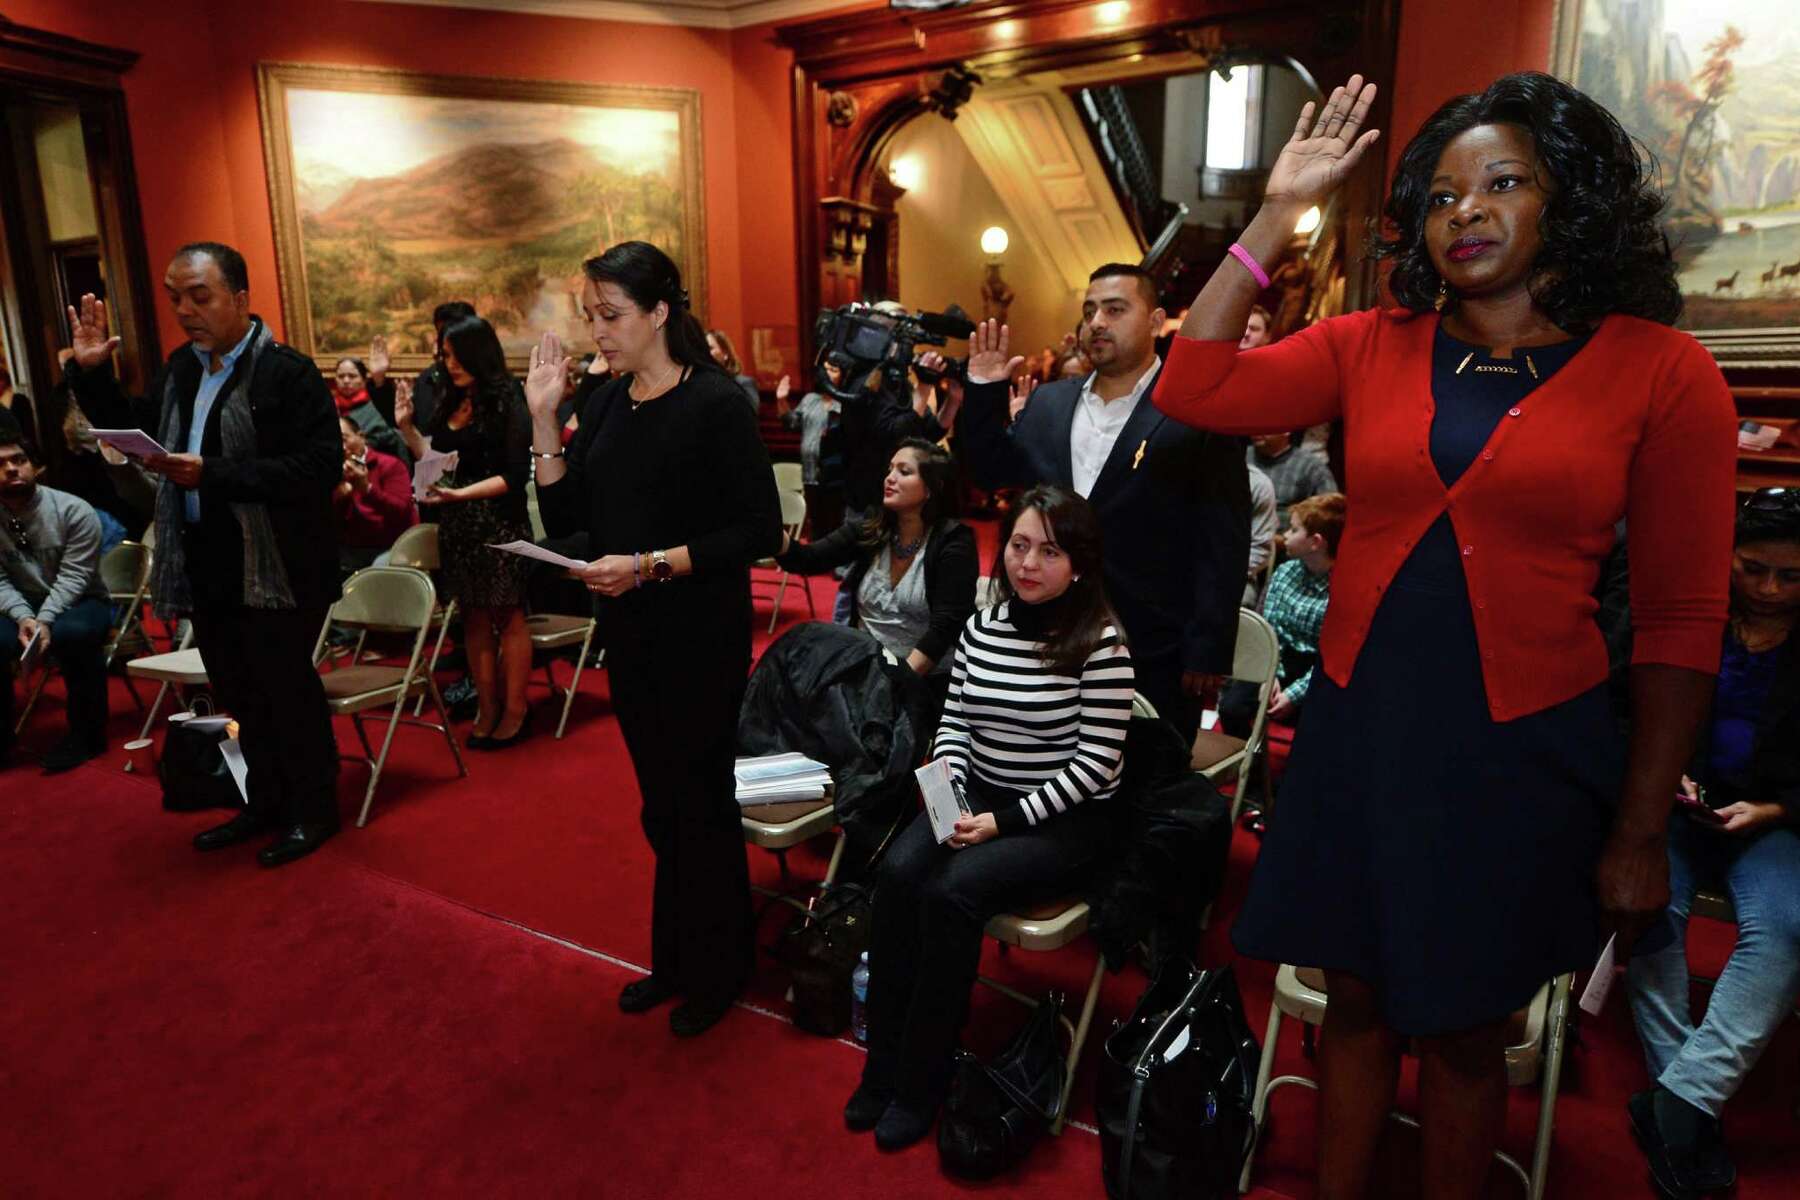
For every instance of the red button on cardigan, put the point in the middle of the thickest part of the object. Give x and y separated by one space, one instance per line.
1639 424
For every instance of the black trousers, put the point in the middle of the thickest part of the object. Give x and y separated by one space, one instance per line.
932 903
260 664
78 644
678 709
1159 680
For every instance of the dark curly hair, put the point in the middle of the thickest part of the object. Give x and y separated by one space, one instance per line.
1604 248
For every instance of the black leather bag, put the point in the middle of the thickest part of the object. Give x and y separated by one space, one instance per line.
193 771
1175 1090
820 951
996 1112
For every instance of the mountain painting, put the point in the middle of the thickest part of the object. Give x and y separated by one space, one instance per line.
1712 89
393 198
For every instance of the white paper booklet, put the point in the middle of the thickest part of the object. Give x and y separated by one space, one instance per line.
1593 997
528 550
942 804
776 778
134 442
431 468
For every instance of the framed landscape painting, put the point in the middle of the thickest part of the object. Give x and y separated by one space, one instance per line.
395 191
1712 88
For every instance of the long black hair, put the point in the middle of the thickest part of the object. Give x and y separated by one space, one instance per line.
1082 612
938 472
1771 514
1604 247
651 277
478 351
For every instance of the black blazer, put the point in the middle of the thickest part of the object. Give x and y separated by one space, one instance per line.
1176 520
1775 760
950 574
299 461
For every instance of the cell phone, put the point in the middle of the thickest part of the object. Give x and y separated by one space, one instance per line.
1696 807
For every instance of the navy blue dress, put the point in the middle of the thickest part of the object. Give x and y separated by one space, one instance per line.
1442 856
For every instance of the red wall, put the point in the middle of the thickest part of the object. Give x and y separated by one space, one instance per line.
198 139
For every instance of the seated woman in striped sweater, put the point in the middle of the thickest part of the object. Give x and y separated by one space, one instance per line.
1034 734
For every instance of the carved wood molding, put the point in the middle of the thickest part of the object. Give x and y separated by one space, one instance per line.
43 54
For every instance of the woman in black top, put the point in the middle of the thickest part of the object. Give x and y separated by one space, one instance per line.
481 503
667 491
917 616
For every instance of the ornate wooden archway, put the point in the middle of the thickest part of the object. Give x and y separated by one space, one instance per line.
858 78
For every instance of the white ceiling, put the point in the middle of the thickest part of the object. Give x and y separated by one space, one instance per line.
702 14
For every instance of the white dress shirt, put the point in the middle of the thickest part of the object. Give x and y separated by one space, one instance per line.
211 384
1097 425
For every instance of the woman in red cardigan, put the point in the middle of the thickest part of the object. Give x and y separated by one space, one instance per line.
1461 821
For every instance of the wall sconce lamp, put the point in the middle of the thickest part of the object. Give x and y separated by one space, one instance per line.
906 173
996 295
1309 221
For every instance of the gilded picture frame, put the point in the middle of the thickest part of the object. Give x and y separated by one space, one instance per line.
1709 90
392 191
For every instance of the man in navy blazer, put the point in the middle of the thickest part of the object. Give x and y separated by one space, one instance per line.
1173 502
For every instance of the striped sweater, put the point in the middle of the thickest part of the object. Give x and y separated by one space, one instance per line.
1014 722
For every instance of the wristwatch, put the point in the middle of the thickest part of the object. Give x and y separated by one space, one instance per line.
661 569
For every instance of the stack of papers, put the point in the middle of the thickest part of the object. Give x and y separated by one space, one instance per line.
779 778
431 468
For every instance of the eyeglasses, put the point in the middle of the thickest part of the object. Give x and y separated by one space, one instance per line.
1773 500
19 537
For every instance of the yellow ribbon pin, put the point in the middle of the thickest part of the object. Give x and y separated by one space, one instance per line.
1139 456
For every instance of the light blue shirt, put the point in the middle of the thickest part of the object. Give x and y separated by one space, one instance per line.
211 384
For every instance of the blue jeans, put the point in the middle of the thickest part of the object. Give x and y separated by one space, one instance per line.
78 644
1706 1065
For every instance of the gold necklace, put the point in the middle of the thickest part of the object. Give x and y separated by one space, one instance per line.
1496 368
658 388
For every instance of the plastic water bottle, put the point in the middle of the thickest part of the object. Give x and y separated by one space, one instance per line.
859 999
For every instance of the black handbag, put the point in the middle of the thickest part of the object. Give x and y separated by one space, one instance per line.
193 771
1175 1090
820 950
996 1112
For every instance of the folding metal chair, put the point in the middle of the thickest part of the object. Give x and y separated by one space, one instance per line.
552 632
1217 753
1536 1041
179 668
793 518
384 600
418 548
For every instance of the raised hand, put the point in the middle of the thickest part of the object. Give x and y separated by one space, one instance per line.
990 357
89 341
1021 394
783 389
547 377
1321 153
378 358
403 403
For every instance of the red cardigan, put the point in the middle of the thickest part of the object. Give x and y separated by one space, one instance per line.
1639 424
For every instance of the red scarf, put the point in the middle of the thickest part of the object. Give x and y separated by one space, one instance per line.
346 403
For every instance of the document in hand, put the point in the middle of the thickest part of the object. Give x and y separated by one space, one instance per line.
430 468
1599 986
134 442
528 550
34 650
942 803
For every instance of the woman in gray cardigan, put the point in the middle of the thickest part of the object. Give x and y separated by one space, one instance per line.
912 567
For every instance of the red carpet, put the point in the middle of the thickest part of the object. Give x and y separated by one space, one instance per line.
376 1020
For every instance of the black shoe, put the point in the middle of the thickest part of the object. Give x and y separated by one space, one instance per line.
697 1016
297 841
70 753
1683 1145
901 1125
642 995
512 739
478 741
866 1107
240 828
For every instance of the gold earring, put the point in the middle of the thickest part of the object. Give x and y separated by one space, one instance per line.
1443 296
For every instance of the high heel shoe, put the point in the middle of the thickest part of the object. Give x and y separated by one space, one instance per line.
512 739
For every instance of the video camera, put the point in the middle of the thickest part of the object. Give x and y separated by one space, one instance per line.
859 339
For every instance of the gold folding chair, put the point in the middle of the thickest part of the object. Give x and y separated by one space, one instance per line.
780 827
180 668
418 548
1537 1038
1051 927
384 600
552 632
789 477
1217 753
793 519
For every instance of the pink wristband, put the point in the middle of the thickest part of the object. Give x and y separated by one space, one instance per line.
1250 264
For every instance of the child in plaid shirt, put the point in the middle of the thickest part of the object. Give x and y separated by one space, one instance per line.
1295 605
